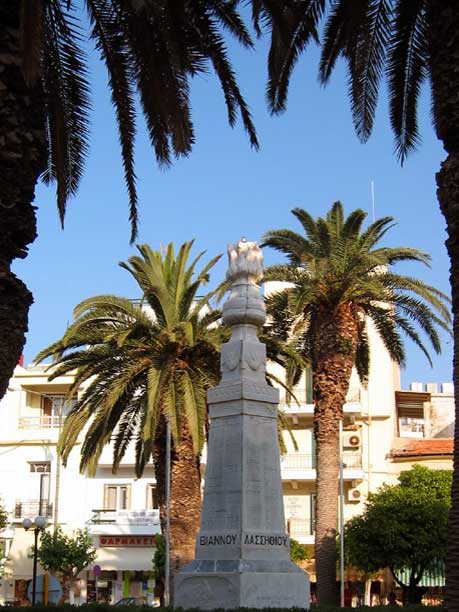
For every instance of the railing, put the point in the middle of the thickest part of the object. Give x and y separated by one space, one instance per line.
41 422
303 396
352 460
300 527
300 395
300 461
32 508
124 517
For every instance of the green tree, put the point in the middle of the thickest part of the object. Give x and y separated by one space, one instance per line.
403 527
151 49
340 278
159 567
412 43
298 552
3 517
145 365
65 556
3 523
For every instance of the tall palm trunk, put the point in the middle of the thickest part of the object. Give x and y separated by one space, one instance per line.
22 159
443 18
333 358
185 495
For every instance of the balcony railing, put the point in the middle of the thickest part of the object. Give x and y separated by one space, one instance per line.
300 461
303 396
300 527
32 508
41 422
124 517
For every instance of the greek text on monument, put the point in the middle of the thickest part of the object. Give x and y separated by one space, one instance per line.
251 539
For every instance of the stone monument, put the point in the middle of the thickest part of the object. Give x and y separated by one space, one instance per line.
242 550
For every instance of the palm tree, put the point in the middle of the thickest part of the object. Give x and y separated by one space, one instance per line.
411 42
141 366
151 48
340 278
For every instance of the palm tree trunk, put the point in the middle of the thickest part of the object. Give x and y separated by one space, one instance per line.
185 502
326 516
22 159
333 358
443 26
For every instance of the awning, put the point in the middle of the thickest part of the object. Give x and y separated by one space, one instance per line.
136 559
433 577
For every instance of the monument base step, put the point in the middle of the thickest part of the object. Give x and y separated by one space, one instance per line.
247 584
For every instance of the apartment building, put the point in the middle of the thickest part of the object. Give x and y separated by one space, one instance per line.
119 511
386 430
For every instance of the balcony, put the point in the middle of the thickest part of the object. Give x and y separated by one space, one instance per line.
300 466
305 403
41 422
124 522
301 530
31 508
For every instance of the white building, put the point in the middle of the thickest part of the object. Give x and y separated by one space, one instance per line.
386 431
119 511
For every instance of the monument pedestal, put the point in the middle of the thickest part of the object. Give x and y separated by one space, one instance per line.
242 550
237 585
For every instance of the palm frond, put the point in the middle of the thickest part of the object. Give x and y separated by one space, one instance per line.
289 38
113 51
366 59
406 71
67 101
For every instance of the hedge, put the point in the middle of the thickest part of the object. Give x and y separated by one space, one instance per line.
94 607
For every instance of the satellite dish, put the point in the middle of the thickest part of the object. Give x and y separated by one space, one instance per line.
54 590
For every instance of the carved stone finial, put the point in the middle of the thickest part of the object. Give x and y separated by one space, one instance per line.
245 305
245 262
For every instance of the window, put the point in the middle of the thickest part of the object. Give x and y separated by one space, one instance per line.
300 514
308 385
152 497
56 405
410 413
117 497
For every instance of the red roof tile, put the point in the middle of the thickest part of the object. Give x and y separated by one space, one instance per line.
415 448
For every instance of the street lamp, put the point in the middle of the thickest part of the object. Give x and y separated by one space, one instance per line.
38 524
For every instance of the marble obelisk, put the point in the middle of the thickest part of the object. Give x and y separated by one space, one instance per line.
242 550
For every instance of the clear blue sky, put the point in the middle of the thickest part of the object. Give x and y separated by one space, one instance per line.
309 157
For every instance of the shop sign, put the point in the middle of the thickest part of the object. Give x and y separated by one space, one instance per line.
137 517
127 541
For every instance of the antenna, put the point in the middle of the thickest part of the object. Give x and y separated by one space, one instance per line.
373 199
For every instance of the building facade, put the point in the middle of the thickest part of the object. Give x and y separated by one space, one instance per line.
120 512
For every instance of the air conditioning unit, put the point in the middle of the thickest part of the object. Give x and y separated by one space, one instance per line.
352 439
354 495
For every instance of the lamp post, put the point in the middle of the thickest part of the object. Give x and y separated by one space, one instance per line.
167 568
341 514
38 524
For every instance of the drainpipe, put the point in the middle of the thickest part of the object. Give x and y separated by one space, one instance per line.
58 473
341 512
167 568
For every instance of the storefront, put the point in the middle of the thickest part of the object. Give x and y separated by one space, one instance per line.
123 568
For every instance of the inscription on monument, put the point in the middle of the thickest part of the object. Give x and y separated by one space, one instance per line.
257 539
